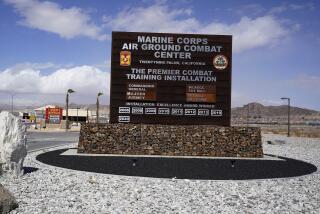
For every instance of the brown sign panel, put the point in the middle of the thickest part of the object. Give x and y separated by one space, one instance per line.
167 78
200 98
201 93
141 91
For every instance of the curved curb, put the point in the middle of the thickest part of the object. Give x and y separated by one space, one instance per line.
181 168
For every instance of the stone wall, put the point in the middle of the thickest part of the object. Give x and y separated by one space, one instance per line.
176 140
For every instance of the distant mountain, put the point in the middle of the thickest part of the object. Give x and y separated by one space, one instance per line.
89 106
6 107
259 110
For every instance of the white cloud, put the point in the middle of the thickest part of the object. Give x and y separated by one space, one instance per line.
250 33
51 17
86 80
307 82
105 65
278 9
156 18
294 7
253 9
29 65
264 31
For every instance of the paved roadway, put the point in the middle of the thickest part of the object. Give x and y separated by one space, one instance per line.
40 140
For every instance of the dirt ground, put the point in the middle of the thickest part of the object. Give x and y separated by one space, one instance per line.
295 131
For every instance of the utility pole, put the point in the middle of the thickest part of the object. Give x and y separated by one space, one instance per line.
248 115
87 115
288 99
99 94
67 107
77 115
12 103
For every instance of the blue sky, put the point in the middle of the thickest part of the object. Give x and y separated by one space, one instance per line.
49 46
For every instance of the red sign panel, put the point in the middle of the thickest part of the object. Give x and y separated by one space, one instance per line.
53 115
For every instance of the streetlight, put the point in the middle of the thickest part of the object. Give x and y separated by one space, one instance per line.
67 107
12 103
248 115
77 115
287 98
12 95
99 94
87 121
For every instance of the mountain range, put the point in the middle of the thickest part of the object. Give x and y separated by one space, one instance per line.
259 110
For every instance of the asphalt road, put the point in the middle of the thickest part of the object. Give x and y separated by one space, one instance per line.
40 140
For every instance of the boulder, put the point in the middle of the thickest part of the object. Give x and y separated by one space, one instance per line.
276 142
12 144
7 201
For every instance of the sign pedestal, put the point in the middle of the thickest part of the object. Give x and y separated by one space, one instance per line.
170 140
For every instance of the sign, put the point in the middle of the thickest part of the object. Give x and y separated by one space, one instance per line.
141 91
201 93
54 115
125 58
32 117
165 78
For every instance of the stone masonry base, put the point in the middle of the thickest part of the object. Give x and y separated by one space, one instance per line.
173 140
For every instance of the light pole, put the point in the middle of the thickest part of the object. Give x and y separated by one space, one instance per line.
12 95
77 115
67 107
12 103
248 115
99 94
87 121
288 99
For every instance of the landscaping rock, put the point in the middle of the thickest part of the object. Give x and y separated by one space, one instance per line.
178 140
12 144
276 142
58 190
7 201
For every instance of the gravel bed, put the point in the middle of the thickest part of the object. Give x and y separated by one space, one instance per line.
56 190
